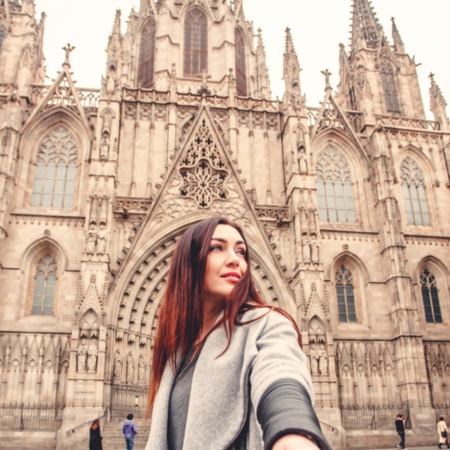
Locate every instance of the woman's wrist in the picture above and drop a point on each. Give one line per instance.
(298, 441)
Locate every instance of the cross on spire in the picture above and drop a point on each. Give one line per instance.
(68, 49)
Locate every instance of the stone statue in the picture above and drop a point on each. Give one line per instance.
(314, 360)
(130, 368)
(323, 360)
(82, 357)
(302, 163)
(306, 249)
(102, 239)
(91, 240)
(141, 370)
(117, 365)
(314, 250)
(104, 147)
(92, 358)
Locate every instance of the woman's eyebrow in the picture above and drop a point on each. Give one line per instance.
(225, 241)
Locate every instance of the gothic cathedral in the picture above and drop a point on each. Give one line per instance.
(344, 205)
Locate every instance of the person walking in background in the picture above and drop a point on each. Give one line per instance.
(129, 431)
(400, 428)
(95, 438)
(442, 431)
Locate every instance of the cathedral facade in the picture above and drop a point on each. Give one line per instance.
(344, 205)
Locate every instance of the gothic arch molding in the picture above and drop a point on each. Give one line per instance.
(34, 133)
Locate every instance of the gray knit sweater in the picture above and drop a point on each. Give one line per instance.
(226, 391)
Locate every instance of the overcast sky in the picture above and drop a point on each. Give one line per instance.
(317, 26)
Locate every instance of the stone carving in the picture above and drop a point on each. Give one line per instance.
(130, 368)
(323, 360)
(82, 356)
(92, 358)
(117, 365)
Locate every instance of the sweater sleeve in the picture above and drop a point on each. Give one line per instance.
(285, 408)
(281, 385)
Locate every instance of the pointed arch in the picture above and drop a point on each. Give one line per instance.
(389, 87)
(349, 281)
(334, 186)
(43, 264)
(146, 67)
(57, 142)
(414, 192)
(195, 43)
(56, 170)
(432, 276)
(240, 62)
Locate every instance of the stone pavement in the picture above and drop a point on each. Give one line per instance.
(431, 447)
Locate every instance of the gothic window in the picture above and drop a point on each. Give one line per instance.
(345, 294)
(241, 70)
(389, 88)
(414, 195)
(352, 96)
(334, 188)
(203, 170)
(147, 53)
(56, 166)
(195, 43)
(430, 297)
(2, 35)
(44, 286)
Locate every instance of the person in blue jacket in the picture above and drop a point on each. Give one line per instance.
(129, 431)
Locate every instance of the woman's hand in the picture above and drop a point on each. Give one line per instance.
(294, 442)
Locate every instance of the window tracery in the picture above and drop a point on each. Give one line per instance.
(430, 297)
(389, 88)
(147, 53)
(240, 61)
(203, 170)
(413, 187)
(44, 286)
(195, 43)
(56, 164)
(334, 188)
(345, 294)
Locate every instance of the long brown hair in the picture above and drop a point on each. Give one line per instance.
(181, 314)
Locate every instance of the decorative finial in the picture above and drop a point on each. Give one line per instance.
(68, 48)
(327, 74)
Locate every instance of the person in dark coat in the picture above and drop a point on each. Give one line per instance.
(95, 438)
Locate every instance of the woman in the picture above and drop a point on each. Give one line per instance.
(95, 438)
(228, 371)
(442, 431)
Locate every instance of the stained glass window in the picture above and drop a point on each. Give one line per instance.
(390, 90)
(56, 167)
(44, 287)
(241, 69)
(334, 187)
(195, 43)
(430, 297)
(413, 186)
(2, 34)
(147, 53)
(345, 295)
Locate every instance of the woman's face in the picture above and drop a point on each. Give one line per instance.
(225, 264)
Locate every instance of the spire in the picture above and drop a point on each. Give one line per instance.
(398, 43)
(263, 72)
(438, 104)
(116, 24)
(291, 73)
(366, 30)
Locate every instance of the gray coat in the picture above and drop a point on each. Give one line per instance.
(227, 390)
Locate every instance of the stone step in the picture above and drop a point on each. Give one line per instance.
(113, 438)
